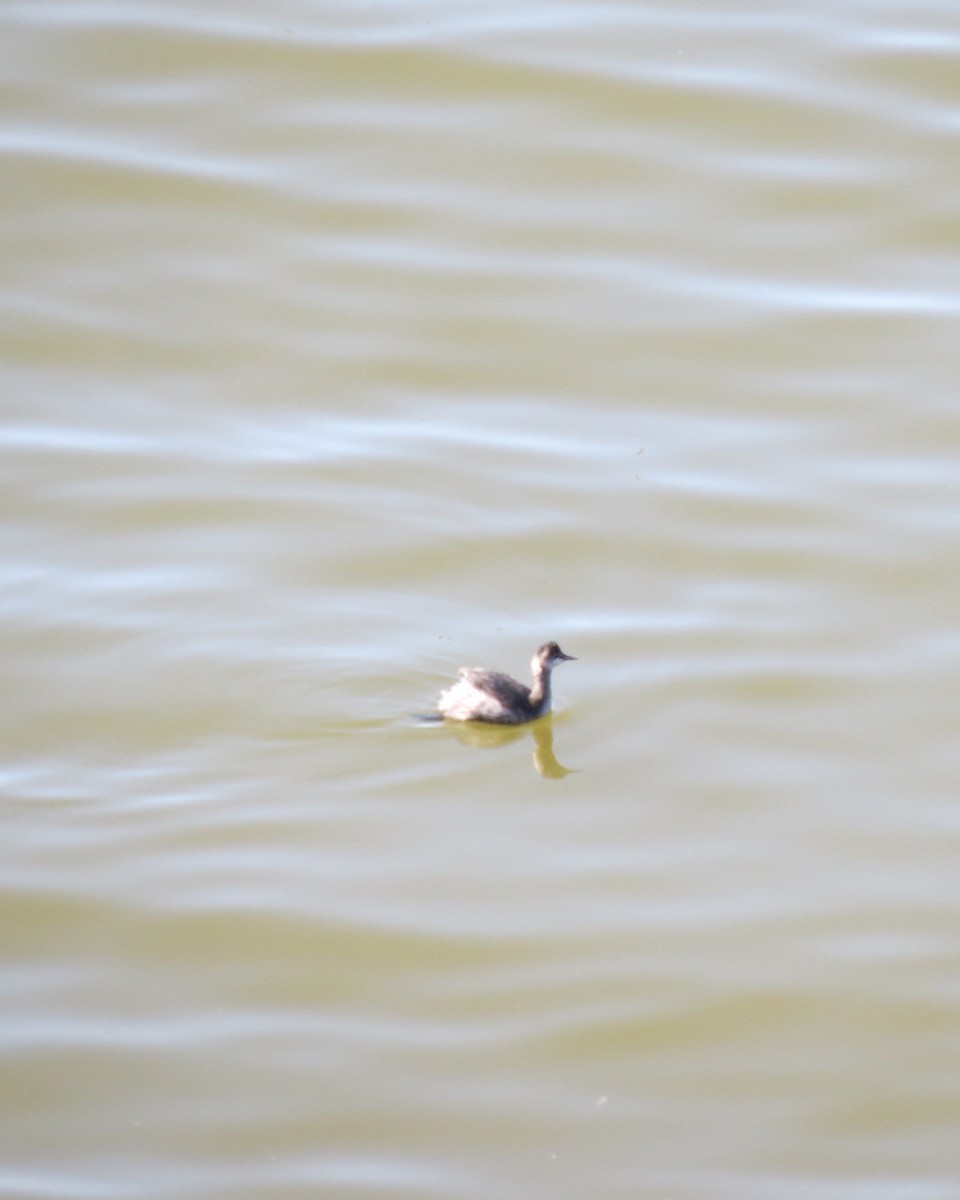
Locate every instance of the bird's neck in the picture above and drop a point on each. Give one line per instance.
(540, 692)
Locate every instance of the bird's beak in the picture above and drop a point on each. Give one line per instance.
(568, 657)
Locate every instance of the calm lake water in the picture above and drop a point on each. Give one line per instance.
(347, 343)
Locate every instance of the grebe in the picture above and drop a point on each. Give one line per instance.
(480, 695)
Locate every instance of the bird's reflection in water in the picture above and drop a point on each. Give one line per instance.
(488, 737)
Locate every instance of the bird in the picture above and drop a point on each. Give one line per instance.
(499, 699)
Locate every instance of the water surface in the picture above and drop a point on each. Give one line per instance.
(343, 345)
